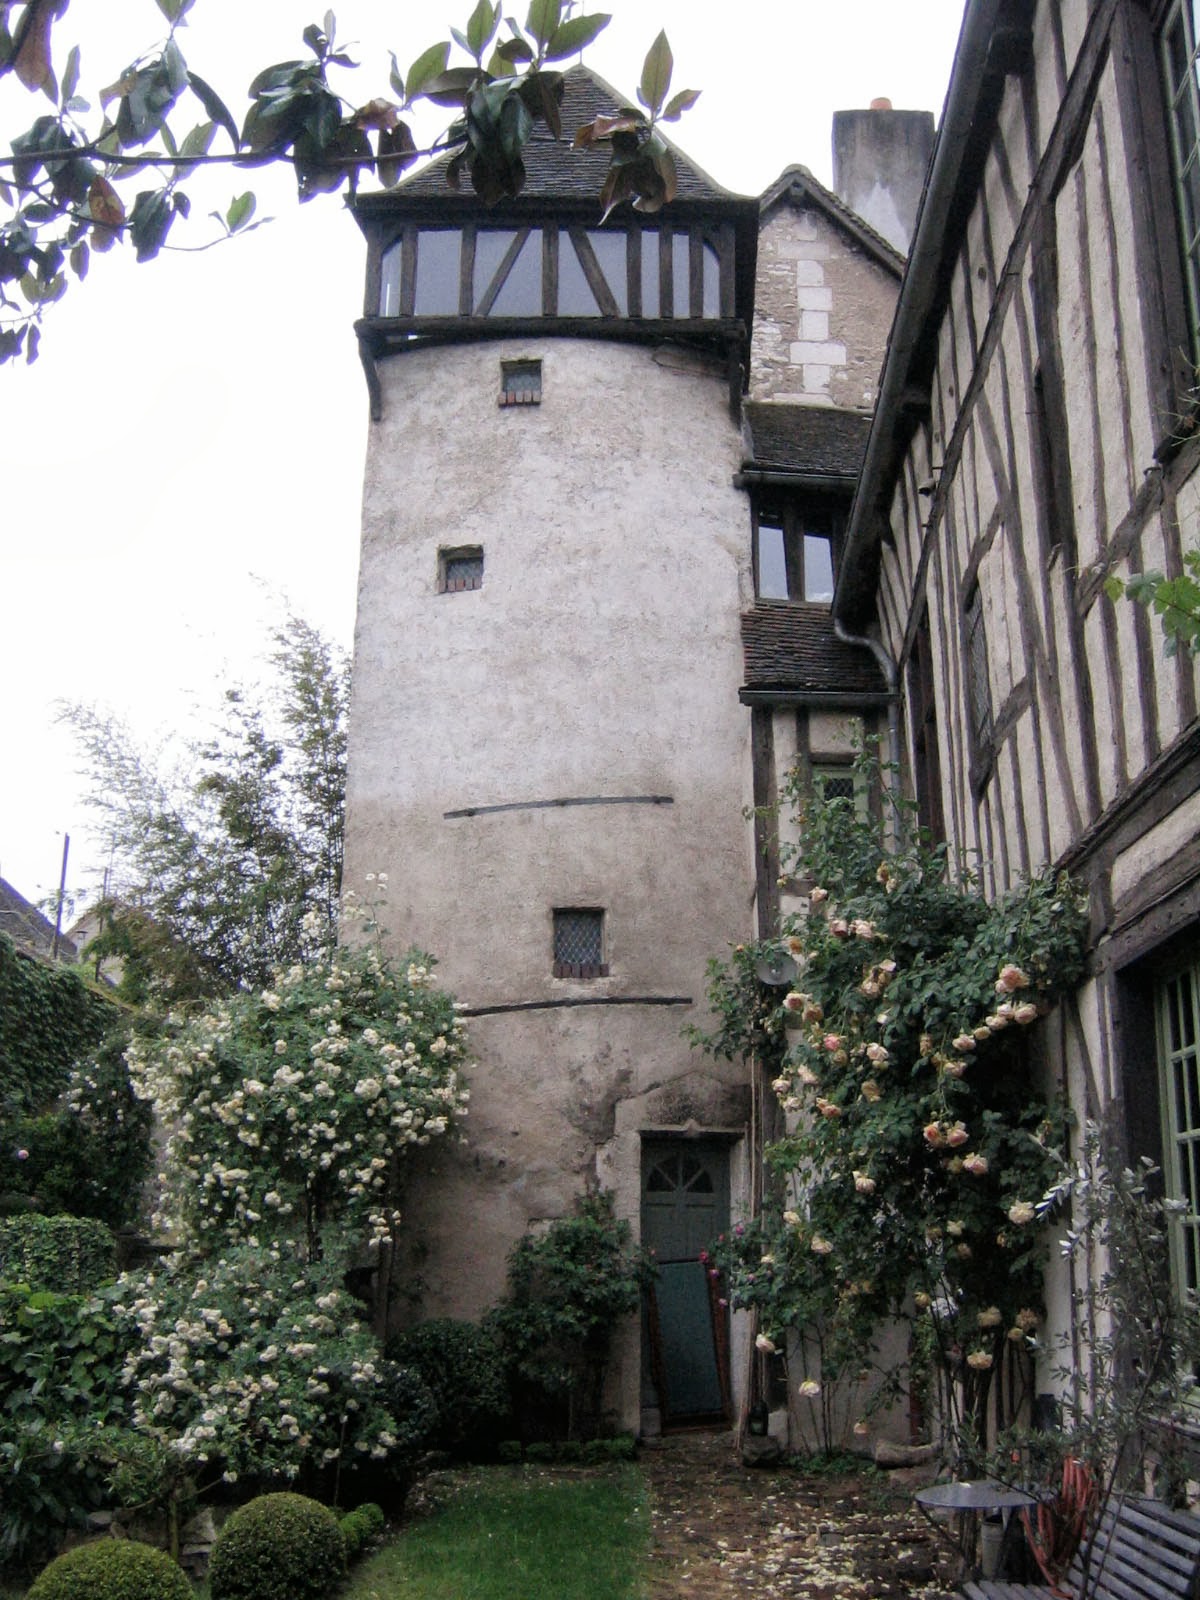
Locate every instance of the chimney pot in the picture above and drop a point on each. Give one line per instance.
(882, 103)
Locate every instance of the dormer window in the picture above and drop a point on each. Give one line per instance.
(793, 553)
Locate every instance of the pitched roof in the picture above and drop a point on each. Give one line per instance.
(793, 648)
(553, 169)
(823, 440)
(797, 186)
(28, 929)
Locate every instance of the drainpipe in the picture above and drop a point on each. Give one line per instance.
(888, 667)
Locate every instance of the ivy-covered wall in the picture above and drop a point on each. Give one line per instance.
(49, 1019)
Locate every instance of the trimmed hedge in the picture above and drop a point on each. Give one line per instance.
(112, 1569)
(68, 1255)
(278, 1547)
(49, 1019)
(359, 1527)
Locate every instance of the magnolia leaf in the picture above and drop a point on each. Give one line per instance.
(31, 345)
(481, 29)
(198, 141)
(679, 103)
(425, 69)
(575, 35)
(316, 41)
(241, 209)
(461, 40)
(397, 151)
(33, 64)
(376, 114)
(542, 93)
(119, 89)
(80, 260)
(104, 204)
(543, 19)
(513, 50)
(499, 67)
(214, 106)
(70, 79)
(452, 87)
(150, 221)
(181, 204)
(656, 75)
(604, 127)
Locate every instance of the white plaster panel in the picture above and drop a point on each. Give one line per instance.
(1105, 712)
(1159, 844)
(832, 735)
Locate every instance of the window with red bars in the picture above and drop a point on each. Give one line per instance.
(579, 943)
(460, 569)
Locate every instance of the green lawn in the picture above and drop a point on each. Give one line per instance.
(517, 1533)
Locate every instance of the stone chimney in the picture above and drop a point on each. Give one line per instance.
(880, 158)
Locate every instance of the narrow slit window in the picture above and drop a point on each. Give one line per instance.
(579, 943)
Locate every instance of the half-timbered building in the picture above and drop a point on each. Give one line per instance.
(1035, 434)
(581, 563)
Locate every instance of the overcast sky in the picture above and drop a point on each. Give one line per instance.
(186, 455)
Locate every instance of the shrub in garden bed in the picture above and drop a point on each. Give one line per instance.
(112, 1569)
(359, 1527)
(463, 1367)
(278, 1547)
(69, 1255)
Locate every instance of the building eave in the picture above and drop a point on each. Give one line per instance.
(993, 41)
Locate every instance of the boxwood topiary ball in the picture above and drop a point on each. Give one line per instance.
(278, 1547)
(112, 1569)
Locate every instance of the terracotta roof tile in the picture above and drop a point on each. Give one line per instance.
(793, 647)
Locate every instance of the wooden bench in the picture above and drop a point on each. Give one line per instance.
(1141, 1550)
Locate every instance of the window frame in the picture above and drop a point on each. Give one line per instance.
(791, 516)
(981, 715)
(580, 971)
(447, 556)
(1181, 1168)
(1183, 161)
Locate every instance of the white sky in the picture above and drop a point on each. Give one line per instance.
(188, 448)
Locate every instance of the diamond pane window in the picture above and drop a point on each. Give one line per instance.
(460, 569)
(1182, 86)
(520, 383)
(579, 943)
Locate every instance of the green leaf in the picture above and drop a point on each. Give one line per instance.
(543, 19)
(1114, 588)
(461, 40)
(452, 87)
(80, 260)
(70, 79)
(575, 35)
(397, 150)
(214, 106)
(679, 103)
(240, 211)
(481, 29)
(428, 66)
(656, 75)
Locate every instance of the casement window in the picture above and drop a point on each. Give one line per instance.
(1177, 53)
(793, 552)
(520, 383)
(922, 711)
(460, 569)
(839, 781)
(1177, 1002)
(579, 942)
(979, 689)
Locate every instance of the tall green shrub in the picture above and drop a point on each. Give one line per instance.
(70, 1255)
(49, 1019)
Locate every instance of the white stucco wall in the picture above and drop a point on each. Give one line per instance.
(600, 658)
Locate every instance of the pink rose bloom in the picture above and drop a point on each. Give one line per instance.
(933, 1135)
(862, 929)
(982, 1033)
(813, 1012)
(816, 896)
(831, 1042)
(828, 1109)
(1021, 1212)
(954, 1069)
(810, 1388)
(819, 1246)
(980, 1360)
(964, 1042)
(976, 1165)
(794, 1001)
(839, 927)
(1026, 1012)
(1010, 979)
(782, 1085)
(764, 1343)
(871, 1091)
(878, 1055)
(870, 988)
(807, 1076)
(957, 1135)
(864, 1183)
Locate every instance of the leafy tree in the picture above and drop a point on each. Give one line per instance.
(71, 172)
(230, 867)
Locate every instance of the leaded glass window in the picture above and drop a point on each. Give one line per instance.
(1177, 44)
(1179, 1064)
(579, 943)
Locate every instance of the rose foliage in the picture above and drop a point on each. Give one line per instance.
(915, 1136)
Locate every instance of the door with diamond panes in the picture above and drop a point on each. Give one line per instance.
(685, 1204)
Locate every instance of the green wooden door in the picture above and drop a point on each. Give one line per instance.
(685, 1204)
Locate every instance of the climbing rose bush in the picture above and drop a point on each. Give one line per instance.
(289, 1110)
(916, 1136)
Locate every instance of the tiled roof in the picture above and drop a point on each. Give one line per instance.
(796, 438)
(28, 929)
(553, 169)
(793, 647)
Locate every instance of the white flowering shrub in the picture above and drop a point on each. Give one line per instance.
(288, 1111)
(258, 1365)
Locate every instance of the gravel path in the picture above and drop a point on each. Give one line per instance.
(722, 1530)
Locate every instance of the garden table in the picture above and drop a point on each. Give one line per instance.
(970, 1499)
